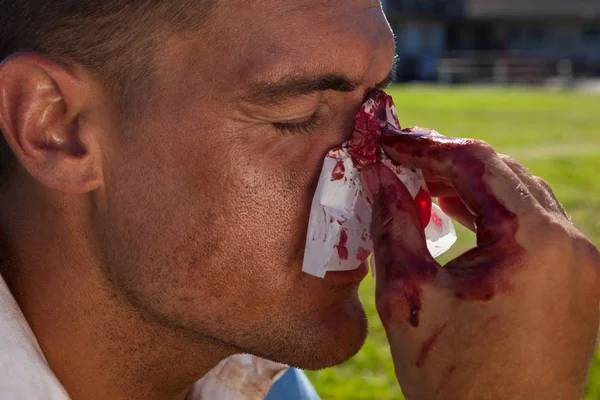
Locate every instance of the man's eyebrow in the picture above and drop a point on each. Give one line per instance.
(296, 86)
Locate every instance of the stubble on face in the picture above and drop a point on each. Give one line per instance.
(208, 200)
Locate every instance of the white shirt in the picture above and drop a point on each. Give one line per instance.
(26, 375)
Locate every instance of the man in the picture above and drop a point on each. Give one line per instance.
(160, 163)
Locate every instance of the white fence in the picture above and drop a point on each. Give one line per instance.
(504, 71)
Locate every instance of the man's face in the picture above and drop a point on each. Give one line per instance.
(208, 197)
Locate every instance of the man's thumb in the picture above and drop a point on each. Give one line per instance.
(400, 247)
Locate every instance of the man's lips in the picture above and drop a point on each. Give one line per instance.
(345, 277)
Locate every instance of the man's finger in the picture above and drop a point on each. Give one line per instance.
(456, 209)
(450, 202)
(537, 186)
(400, 247)
(429, 177)
(488, 187)
(441, 189)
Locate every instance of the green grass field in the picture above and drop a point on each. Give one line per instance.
(555, 135)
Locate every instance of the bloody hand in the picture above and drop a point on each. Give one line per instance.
(514, 318)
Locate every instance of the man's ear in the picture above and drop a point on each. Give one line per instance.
(45, 110)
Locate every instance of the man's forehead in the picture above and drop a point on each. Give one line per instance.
(282, 38)
(246, 46)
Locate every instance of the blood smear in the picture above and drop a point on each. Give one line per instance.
(338, 172)
(341, 246)
(362, 254)
(436, 220)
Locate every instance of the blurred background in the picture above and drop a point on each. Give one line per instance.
(523, 75)
(532, 42)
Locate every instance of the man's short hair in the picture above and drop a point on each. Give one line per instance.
(112, 38)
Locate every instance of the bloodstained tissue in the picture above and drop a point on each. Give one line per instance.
(365, 144)
(364, 147)
(351, 208)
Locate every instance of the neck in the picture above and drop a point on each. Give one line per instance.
(97, 345)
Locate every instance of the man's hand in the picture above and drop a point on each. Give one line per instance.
(514, 318)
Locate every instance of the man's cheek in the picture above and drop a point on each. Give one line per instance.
(275, 178)
(268, 227)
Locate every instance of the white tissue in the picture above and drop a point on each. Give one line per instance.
(338, 237)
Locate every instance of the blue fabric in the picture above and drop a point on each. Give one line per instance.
(293, 385)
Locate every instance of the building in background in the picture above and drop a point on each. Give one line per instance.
(421, 28)
(507, 41)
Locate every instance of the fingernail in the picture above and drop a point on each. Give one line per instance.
(370, 179)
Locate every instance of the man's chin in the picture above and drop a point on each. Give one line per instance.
(338, 333)
(320, 339)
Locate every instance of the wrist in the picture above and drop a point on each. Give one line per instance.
(515, 379)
